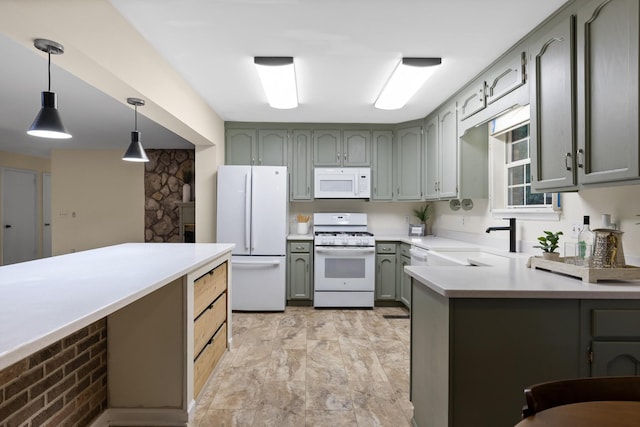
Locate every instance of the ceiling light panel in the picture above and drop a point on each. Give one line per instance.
(278, 77)
(407, 78)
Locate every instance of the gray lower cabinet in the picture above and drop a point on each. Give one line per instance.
(300, 270)
(552, 95)
(405, 279)
(300, 168)
(459, 344)
(408, 163)
(386, 265)
(382, 166)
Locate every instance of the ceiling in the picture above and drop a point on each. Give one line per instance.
(344, 52)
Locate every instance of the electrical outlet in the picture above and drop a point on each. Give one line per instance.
(406, 219)
(575, 230)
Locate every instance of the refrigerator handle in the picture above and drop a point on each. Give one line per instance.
(253, 235)
(247, 207)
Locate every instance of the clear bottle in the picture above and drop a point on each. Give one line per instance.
(586, 239)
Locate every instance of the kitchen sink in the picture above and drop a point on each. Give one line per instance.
(468, 257)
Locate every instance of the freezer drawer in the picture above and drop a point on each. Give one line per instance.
(258, 283)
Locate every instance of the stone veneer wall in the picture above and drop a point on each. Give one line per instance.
(163, 181)
(64, 384)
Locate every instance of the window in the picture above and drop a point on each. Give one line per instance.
(518, 172)
(510, 171)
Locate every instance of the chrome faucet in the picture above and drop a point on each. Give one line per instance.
(512, 233)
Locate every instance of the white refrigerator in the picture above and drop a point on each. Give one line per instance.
(253, 213)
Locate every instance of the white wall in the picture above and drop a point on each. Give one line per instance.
(97, 200)
(622, 202)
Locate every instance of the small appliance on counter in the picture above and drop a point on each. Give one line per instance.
(253, 214)
(344, 261)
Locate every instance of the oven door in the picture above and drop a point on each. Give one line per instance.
(339, 268)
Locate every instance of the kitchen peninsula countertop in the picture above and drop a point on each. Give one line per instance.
(45, 300)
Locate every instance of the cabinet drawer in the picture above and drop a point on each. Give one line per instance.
(299, 246)
(208, 359)
(208, 322)
(386, 248)
(615, 323)
(207, 288)
(405, 250)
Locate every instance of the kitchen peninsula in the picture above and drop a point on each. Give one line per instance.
(107, 335)
(480, 335)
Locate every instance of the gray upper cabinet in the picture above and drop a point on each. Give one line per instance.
(327, 148)
(341, 148)
(448, 128)
(441, 154)
(300, 165)
(382, 166)
(506, 76)
(607, 46)
(356, 148)
(431, 160)
(408, 163)
(256, 147)
(272, 147)
(240, 146)
(473, 100)
(552, 86)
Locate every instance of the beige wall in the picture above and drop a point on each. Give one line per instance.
(207, 160)
(37, 164)
(97, 200)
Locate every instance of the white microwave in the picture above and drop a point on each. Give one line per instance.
(342, 183)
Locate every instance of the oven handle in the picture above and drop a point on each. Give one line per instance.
(343, 251)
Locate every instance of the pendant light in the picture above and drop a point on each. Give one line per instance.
(47, 123)
(135, 152)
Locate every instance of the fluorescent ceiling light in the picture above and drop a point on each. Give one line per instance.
(407, 78)
(278, 77)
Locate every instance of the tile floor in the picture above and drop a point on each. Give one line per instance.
(308, 367)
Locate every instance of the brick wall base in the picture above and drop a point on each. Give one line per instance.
(63, 384)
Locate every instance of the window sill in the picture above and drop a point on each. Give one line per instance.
(527, 214)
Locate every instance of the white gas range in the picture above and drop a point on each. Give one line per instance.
(344, 261)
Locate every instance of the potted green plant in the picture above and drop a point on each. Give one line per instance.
(423, 213)
(549, 244)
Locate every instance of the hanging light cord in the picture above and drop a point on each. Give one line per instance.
(49, 52)
(135, 120)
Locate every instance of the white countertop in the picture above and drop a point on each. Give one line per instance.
(45, 300)
(510, 278)
(300, 237)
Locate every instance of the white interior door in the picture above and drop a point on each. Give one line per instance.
(19, 222)
(46, 215)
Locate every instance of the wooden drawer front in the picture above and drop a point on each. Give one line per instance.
(299, 246)
(405, 250)
(615, 323)
(207, 288)
(208, 359)
(386, 248)
(205, 326)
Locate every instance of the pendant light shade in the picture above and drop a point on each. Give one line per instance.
(47, 123)
(135, 152)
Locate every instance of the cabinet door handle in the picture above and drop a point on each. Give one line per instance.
(253, 161)
(345, 156)
(567, 161)
(338, 157)
(299, 248)
(375, 190)
(259, 161)
(580, 158)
